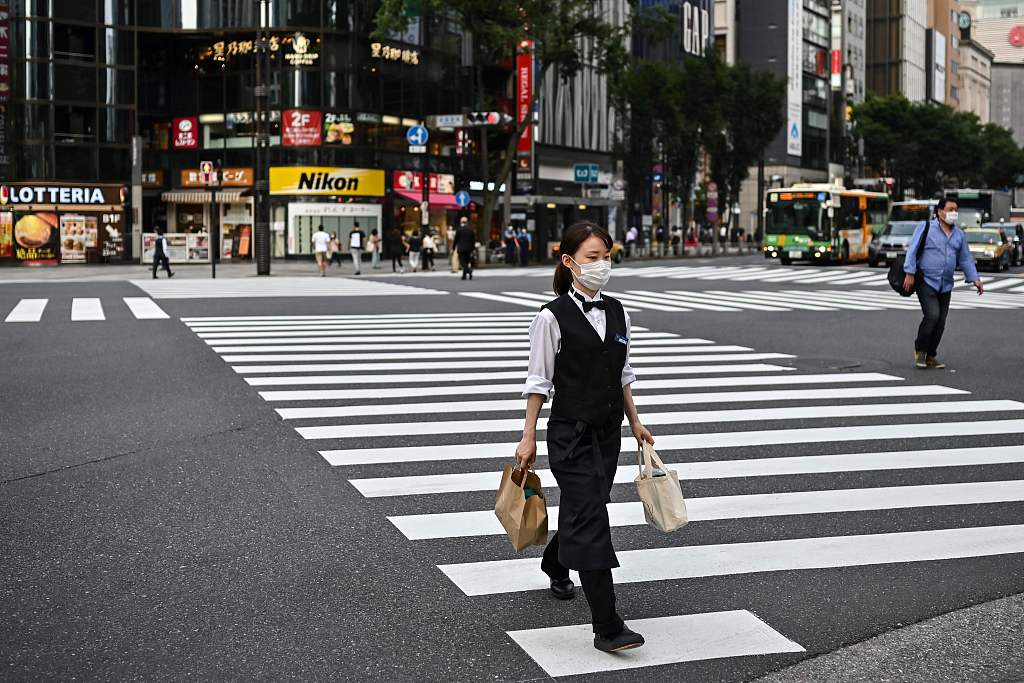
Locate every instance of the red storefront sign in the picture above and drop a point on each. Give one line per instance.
(185, 132)
(524, 94)
(301, 128)
(412, 181)
(837, 62)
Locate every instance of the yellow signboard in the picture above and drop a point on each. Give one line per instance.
(326, 180)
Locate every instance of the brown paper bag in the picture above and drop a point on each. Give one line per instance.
(525, 519)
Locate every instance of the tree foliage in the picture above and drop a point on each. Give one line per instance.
(677, 111)
(927, 147)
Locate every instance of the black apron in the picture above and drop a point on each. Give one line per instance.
(583, 460)
(584, 432)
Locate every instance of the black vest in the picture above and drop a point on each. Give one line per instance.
(588, 369)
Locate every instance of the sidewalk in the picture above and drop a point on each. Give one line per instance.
(282, 267)
(981, 644)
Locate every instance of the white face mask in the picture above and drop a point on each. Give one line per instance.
(951, 217)
(593, 275)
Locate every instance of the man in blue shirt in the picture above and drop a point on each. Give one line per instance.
(944, 250)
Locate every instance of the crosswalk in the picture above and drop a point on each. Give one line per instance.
(786, 300)
(257, 287)
(813, 275)
(84, 309)
(422, 432)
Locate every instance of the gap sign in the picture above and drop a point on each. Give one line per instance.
(585, 173)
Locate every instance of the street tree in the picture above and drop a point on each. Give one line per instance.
(567, 36)
(751, 114)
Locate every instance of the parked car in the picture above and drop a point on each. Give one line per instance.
(891, 242)
(989, 247)
(1014, 233)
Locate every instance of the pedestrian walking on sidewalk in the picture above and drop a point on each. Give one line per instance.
(511, 246)
(161, 254)
(356, 240)
(465, 246)
(374, 249)
(945, 248)
(591, 377)
(524, 247)
(334, 251)
(429, 246)
(321, 243)
(415, 249)
(631, 240)
(395, 250)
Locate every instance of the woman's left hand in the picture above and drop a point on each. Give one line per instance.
(642, 434)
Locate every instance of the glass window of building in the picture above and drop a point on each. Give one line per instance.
(120, 12)
(74, 82)
(80, 10)
(74, 124)
(31, 38)
(74, 42)
(75, 162)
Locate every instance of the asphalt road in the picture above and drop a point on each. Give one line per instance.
(164, 521)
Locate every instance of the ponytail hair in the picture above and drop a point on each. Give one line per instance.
(574, 236)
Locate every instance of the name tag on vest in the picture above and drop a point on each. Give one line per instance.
(622, 340)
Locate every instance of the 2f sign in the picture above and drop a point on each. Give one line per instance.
(300, 119)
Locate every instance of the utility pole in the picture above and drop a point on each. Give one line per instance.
(261, 207)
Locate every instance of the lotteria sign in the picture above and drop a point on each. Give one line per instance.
(82, 195)
(325, 180)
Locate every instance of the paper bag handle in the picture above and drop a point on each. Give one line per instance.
(525, 470)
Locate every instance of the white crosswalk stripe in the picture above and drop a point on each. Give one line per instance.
(83, 309)
(447, 389)
(686, 301)
(302, 287)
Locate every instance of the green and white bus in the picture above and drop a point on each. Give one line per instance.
(822, 223)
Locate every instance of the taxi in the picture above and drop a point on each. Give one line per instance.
(990, 248)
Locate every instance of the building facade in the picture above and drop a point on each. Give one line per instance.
(1004, 37)
(895, 51)
(976, 79)
(139, 96)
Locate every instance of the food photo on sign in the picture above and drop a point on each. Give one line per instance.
(36, 238)
(338, 129)
(77, 234)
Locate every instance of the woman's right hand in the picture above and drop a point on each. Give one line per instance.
(526, 451)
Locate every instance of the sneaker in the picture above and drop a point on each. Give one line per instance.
(920, 361)
(933, 362)
(623, 640)
(170, 274)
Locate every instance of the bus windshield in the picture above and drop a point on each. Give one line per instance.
(795, 216)
(910, 212)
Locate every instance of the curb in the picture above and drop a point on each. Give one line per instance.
(981, 644)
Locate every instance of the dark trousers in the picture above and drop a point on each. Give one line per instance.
(935, 306)
(428, 259)
(161, 259)
(466, 261)
(396, 259)
(597, 587)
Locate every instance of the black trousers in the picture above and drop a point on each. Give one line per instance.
(466, 261)
(598, 587)
(159, 259)
(935, 307)
(584, 462)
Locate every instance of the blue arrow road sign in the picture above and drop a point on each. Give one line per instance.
(462, 198)
(416, 135)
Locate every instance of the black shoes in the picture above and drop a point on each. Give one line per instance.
(563, 589)
(170, 274)
(623, 640)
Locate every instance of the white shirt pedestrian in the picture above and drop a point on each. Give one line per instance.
(321, 242)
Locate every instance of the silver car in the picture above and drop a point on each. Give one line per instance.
(891, 242)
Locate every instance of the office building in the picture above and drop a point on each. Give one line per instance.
(896, 55)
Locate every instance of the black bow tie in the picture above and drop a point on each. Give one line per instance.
(587, 305)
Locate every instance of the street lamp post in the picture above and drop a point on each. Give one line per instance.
(261, 209)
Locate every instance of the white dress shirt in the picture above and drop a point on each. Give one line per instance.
(546, 340)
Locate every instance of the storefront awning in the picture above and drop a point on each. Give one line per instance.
(187, 197)
(437, 200)
(230, 196)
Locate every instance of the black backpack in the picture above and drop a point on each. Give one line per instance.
(896, 274)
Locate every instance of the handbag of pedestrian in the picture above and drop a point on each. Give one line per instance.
(521, 508)
(658, 488)
(897, 276)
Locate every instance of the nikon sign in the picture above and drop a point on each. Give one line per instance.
(324, 180)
